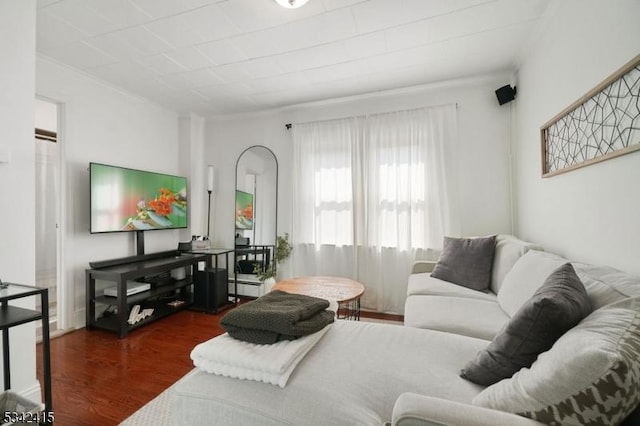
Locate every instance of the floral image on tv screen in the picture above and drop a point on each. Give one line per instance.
(134, 200)
(244, 210)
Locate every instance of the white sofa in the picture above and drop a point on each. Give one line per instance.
(440, 305)
(372, 374)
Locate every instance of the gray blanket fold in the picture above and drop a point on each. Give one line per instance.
(277, 316)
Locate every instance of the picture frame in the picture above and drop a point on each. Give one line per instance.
(602, 124)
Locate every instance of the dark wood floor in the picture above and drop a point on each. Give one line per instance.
(98, 379)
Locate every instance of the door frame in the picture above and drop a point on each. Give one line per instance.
(64, 314)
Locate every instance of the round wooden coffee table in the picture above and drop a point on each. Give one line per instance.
(343, 292)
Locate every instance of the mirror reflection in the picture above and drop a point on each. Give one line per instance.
(256, 208)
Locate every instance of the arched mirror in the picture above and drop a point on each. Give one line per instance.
(256, 207)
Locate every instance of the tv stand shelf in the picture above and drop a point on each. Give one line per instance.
(132, 268)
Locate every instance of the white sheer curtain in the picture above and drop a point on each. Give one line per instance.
(323, 205)
(370, 192)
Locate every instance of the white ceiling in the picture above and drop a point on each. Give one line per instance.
(232, 56)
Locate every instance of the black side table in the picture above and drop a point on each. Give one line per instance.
(209, 303)
(11, 316)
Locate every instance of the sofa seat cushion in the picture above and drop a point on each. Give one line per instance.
(482, 319)
(589, 376)
(425, 284)
(353, 375)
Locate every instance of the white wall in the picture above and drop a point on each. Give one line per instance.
(226, 140)
(191, 130)
(17, 176)
(483, 148)
(103, 124)
(590, 214)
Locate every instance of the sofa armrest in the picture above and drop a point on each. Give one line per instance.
(412, 409)
(423, 266)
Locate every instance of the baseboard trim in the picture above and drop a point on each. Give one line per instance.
(79, 318)
(33, 393)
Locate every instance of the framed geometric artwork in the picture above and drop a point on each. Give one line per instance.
(603, 124)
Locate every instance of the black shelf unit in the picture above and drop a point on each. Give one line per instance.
(261, 254)
(12, 316)
(247, 258)
(121, 271)
(214, 264)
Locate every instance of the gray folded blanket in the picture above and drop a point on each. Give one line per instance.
(277, 316)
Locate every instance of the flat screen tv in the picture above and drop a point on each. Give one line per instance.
(244, 210)
(135, 200)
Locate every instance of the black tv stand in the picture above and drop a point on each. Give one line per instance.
(139, 243)
(132, 259)
(123, 270)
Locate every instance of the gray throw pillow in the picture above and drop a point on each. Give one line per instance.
(556, 307)
(466, 262)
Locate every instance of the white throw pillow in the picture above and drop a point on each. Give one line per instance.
(589, 376)
(527, 275)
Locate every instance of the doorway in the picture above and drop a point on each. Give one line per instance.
(47, 183)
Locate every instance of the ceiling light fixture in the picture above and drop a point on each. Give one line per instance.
(291, 4)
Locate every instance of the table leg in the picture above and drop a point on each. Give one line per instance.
(46, 352)
(5, 355)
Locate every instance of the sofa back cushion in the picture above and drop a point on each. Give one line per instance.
(507, 252)
(525, 277)
(606, 285)
(589, 376)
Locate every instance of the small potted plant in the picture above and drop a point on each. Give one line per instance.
(268, 274)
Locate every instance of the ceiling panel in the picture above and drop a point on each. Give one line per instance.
(313, 31)
(278, 83)
(117, 45)
(211, 23)
(232, 56)
(222, 52)
(122, 13)
(144, 40)
(128, 72)
(314, 57)
(192, 79)
(364, 46)
(232, 73)
(263, 67)
(78, 15)
(81, 55)
(161, 64)
(164, 8)
(190, 58)
(175, 31)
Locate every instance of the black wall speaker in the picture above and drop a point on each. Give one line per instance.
(506, 94)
